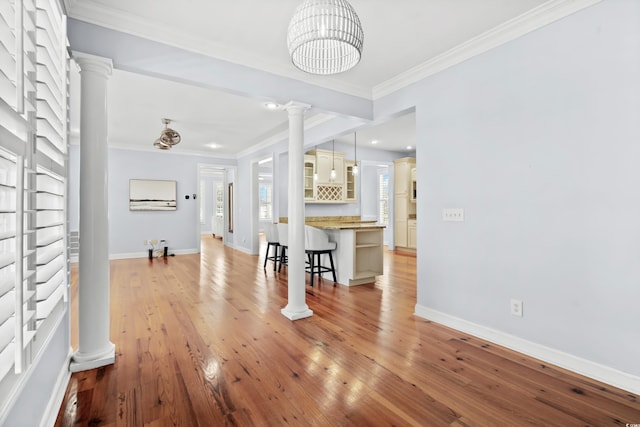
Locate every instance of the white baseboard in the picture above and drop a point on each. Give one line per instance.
(243, 249)
(564, 360)
(59, 391)
(145, 254)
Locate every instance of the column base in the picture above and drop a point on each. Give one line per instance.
(85, 362)
(296, 315)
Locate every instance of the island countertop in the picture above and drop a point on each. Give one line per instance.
(359, 255)
(338, 222)
(347, 225)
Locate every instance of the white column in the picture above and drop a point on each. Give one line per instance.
(94, 347)
(296, 307)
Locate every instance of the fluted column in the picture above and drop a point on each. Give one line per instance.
(94, 347)
(296, 307)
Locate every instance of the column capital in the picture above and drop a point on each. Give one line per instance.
(88, 62)
(295, 107)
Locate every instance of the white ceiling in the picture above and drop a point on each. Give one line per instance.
(399, 36)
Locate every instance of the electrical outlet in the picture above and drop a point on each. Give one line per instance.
(453, 214)
(516, 307)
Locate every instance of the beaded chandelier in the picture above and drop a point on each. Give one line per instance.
(325, 37)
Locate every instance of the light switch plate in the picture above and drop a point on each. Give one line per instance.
(453, 214)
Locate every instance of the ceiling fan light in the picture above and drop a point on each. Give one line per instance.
(325, 37)
(168, 137)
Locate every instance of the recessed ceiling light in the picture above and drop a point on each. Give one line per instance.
(409, 147)
(272, 105)
(374, 141)
(213, 145)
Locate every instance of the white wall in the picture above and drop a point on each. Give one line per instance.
(538, 140)
(128, 229)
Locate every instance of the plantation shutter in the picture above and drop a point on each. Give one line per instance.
(52, 98)
(33, 140)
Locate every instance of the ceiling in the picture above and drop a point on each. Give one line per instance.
(399, 36)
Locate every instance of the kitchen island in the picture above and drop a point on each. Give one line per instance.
(358, 257)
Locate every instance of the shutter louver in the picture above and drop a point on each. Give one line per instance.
(33, 138)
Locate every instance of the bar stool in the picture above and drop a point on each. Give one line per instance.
(271, 235)
(316, 243)
(283, 241)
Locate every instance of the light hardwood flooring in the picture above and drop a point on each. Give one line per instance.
(200, 341)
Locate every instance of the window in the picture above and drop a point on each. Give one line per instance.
(383, 198)
(265, 202)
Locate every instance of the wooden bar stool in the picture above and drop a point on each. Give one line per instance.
(316, 243)
(271, 235)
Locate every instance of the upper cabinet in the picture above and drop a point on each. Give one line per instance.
(327, 189)
(349, 181)
(309, 171)
(402, 169)
(326, 161)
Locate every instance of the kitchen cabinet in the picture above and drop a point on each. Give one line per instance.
(350, 181)
(324, 189)
(309, 170)
(327, 160)
(359, 255)
(404, 204)
(411, 234)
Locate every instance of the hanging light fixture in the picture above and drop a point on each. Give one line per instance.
(168, 137)
(325, 37)
(333, 159)
(354, 170)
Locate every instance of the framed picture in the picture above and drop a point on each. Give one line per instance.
(152, 195)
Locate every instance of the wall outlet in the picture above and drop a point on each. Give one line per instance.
(453, 214)
(516, 307)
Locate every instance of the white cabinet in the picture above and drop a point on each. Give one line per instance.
(359, 256)
(405, 203)
(411, 234)
(350, 181)
(401, 175)
(309, 171)
(328, 189)
(327, 160)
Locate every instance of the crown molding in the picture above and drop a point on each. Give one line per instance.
(535, 18)
(118, 20)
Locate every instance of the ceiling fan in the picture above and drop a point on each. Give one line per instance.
(168, 137)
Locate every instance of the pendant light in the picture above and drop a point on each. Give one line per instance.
(333, 159)
(354, 170)
(325, 37)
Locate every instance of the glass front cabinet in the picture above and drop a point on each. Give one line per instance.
(309, 171)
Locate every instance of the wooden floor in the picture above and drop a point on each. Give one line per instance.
(202, 342)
